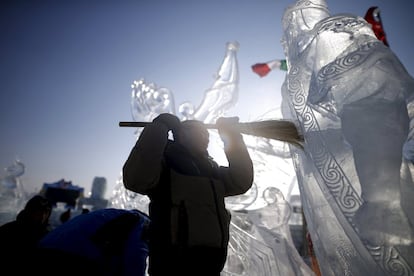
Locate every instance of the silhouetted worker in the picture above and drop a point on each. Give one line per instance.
(19, 238)
(189, 229)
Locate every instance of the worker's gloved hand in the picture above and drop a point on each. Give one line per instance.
(227, 125)
(169, 120)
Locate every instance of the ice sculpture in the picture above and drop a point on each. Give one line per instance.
(148, 100)
(12, 179)
(223, 94)
(353, 100)
(12, 194)
(260, 242)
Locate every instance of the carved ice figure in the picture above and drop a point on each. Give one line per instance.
(148, 100)
(353, 100)
(12, 194)
(13, 172)
(261, 243)
(10, 183)
(223, 94)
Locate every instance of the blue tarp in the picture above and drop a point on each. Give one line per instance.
(103, 236)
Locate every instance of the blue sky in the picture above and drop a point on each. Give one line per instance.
(67, 66)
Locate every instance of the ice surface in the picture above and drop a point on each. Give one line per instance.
(352, 98)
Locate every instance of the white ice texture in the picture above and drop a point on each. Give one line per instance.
(12, 193)
(353, 100)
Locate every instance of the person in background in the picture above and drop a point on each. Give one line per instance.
(19, 238)
(65, 216)
(189, 228)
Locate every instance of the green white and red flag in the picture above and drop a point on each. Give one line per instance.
(262, 69)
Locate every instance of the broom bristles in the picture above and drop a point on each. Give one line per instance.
(281, 130)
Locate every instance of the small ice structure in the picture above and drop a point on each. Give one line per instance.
(12, 194)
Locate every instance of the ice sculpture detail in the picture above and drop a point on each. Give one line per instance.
(259, 245)
(223, 94)
(12, 193)
(10, 183)
(353, 99)
(260, 241)
(148, 100)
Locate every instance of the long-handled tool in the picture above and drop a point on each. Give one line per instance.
(281, 130)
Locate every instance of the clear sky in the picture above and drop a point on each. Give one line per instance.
(66, 68)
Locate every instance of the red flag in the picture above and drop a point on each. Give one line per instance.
(262, 69)
(373, 17)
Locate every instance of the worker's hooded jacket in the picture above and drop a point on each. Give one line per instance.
(187, 192)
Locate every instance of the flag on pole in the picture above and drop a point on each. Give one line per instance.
(373, 17)
(262, 69)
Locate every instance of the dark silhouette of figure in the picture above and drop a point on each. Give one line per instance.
(189, 229)
(85, 211)
(19, 238)
(65, 216)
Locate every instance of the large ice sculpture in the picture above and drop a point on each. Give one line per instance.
(261, 242)
(353, 100)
